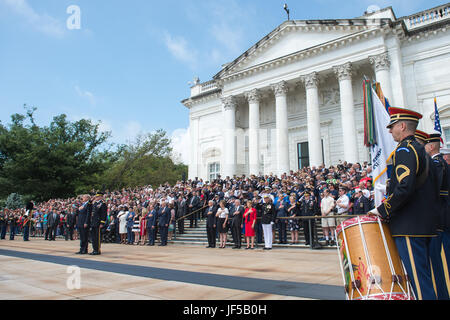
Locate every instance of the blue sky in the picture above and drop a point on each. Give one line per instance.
(130, 62)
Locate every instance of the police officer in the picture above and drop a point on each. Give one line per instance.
(409, 208)
(98, 219)
(439, 252)
(267, 221)
(83, 223)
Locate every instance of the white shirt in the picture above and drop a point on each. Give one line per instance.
(223, 213)
(326, 204)
(344, 201)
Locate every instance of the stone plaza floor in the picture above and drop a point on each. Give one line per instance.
(43, 270)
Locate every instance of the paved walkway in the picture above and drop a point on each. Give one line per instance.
(38, 269)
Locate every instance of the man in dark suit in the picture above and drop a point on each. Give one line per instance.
(98, 219)
(236, 215)
(362, 204)
(83, 223)
(194, 205)
(181, 212)
(70, 223)
(163, 222)
(52, 224)
(151, 219)
(211, 224)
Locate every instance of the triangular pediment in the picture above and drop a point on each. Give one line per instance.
(296, 36)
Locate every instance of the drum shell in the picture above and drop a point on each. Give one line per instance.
(376, 260)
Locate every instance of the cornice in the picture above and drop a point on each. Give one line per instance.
(366, 32)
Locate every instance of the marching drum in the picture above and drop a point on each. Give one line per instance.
(370, 264)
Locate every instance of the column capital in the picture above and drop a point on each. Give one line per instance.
(253, 96)
(344, 71)
(280, 88)
(380, 61)
(311, 80)
(229, 102)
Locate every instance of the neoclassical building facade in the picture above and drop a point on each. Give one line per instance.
(295, 98)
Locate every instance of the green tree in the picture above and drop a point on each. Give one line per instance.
(14, 201)
(54, 161)
(146, 161)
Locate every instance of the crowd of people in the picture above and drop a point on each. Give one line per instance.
(253, 207)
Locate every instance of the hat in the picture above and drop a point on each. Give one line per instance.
(399, 114)
(434, 137)
(445, 151)
(422, 136)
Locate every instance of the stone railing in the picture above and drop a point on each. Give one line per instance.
(427, 17)
(203, 87)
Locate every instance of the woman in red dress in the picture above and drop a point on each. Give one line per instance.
(250, 220)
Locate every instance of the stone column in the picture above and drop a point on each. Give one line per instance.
(382, 64)
(344, 75)
(313, 119)
(193, 152)
(280, 89)
(253, 98)
(229, 137)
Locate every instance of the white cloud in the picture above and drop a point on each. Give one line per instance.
(87, 95)
(40, 22)
(180, 145)
(179, 48)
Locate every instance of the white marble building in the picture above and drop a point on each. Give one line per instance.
(295, 98)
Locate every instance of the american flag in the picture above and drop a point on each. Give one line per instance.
(437, 121)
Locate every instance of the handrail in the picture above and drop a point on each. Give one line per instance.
(184, 217)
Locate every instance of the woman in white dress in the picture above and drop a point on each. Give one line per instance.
(122, 217)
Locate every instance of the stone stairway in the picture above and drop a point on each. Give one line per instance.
(197, 236)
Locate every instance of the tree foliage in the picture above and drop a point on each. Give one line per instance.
(146, 161)
(52, 161)
(67, 158)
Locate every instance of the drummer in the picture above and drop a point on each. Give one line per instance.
(408, 208)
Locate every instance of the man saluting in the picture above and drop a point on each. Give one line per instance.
(98, 219)
(409, 207)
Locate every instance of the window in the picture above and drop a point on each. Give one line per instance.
(447, 136)
(303, 154)
(214, 170)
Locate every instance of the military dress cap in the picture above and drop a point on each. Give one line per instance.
(422, 136)
(434, 137)
(445, 151)
(399, 114)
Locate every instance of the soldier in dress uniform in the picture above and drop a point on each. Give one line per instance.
(409, 209)
(98, 219)
(27, 221)
(307, 209)
(3, 224)
(439, 252)
(267, 221)
(421, 137)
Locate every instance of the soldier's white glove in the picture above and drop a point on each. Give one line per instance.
(374, 212)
